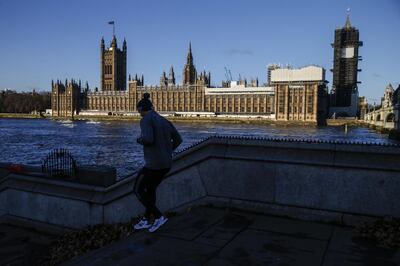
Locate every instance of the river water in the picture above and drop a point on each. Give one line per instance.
(113, 143)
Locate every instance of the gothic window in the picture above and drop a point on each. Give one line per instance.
(310, 104)
(281, 103)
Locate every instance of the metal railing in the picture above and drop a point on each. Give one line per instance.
(60, 164)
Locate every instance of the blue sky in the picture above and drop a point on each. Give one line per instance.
(44, 40)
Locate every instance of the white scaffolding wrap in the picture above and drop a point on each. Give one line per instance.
(309, 73)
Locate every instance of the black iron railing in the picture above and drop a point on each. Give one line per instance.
(60, 164)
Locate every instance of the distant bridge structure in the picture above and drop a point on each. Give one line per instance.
(385, 117)
(388, 115)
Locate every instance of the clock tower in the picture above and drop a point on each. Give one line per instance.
(345, 64)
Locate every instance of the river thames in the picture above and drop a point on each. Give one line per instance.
(113, 143)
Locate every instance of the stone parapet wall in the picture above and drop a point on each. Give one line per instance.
(330, 179)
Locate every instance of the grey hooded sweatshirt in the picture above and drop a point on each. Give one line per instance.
(159, 138)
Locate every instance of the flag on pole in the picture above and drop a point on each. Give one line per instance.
(111, 22)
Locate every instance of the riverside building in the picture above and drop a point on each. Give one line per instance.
(300, 94)
(291, 95)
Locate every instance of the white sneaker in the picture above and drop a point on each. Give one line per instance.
(142, 224)
(158, 223)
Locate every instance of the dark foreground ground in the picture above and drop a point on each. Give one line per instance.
(214, 236)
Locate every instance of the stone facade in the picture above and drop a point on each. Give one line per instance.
(67, 98)
(113, 66)
(300, 94)
(200, 98)
(109, 101)
(301, 102)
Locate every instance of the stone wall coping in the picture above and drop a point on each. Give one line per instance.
(391, 150)
(214, 147)
(270, 140)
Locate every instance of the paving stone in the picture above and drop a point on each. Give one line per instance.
(293, 227)
(221, 233)
(211, 236)
(191, 224)
(345, 248)
(22, 246)
(253, 247)
(148, 249)
(221, 262)
(333, 258)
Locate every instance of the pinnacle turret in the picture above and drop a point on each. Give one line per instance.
(171, 76)
(114, 42)
(348, 24)
(189, 60)
(124, 45)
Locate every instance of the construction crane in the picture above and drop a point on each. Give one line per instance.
(228, 75)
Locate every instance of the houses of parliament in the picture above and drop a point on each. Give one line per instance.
(288, 95)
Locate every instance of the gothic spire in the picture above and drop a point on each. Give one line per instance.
(163, 80)
(124, 45)
(171, 76)
(348, 24)
(190, 56)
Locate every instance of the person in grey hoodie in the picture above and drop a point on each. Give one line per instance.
(159, 138)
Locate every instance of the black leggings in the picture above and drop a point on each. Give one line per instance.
(145, 187)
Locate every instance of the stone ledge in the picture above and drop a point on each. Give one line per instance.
(294, 212)
(96, 175)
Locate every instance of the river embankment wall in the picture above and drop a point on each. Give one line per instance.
(314, 180)
(190, 119)
(215, 119)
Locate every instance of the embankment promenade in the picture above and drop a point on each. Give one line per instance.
(17, 115)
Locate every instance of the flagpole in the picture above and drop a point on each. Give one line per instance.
(113, 24)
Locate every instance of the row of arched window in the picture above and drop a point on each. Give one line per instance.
(108, 69)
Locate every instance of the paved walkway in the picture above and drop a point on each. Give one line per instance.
(22, 246)
(212, 236)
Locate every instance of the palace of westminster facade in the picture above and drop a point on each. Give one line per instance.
(289, 95)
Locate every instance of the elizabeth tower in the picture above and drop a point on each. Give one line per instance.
(345, 64)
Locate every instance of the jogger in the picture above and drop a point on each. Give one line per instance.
(159, 138)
